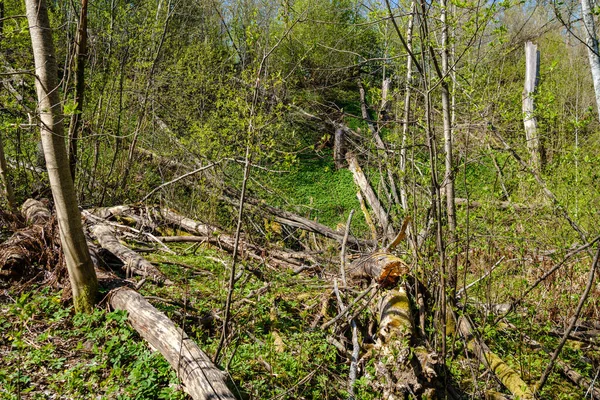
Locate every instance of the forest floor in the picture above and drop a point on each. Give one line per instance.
(278, 351)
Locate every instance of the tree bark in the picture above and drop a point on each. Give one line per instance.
(448, 148)
(508, 376)
(133, 261)
(361, 181)
(80, 54)
(79, 264)
(339, 148)
(532, 72)
(5, 178)
(592, 43)
(200, 377)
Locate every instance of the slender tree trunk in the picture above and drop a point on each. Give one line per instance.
(592, 43)
(448, 148)
(532, 71)
(406, 117)
(8, 189)
(80, 54)
(79, 264)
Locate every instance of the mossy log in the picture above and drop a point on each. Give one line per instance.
(133, 261)
(508, 376)
(383, 267)
(200, 377)
(404, 366)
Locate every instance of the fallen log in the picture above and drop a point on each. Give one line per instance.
(383, 267)
(34, 247)
(507, 376)
(132, 261)
(406, 369)
(295, 221)
(502, 205)
(363, 183)
(35, 211)
(200, 377)
(211, 235)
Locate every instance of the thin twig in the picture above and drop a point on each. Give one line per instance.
(470, 285)
(156, 189)
(354, 362)
(343, 313)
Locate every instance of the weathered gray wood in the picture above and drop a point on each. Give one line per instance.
(133, 261)
(362, 182)
(200, 377)
(532, 73)
(290, 219)
(383, 267)
(35, 212)
(339, 148)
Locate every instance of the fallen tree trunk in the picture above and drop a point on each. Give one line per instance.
(211, 235)
(200, 377)
(133, 261)
(502, 205)
(36, 245)
(363, 183)
(384, 268)
(35, 212)
(508, 376)
(290, 219)
(406, 369)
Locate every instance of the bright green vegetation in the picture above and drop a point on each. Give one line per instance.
(46, 349)
(324, 193)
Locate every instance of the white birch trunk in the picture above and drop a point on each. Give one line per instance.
(592, 42)
(448, 148)
(532, 68)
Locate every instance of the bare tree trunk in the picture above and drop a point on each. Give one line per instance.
(5, 179)
(381, 147)
(79, 264)
(339, 148)
(449, 175)
(532, 71)
(406, 116)
(80, 54)
(592, 44)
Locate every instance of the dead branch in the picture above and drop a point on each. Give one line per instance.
(133, 261)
